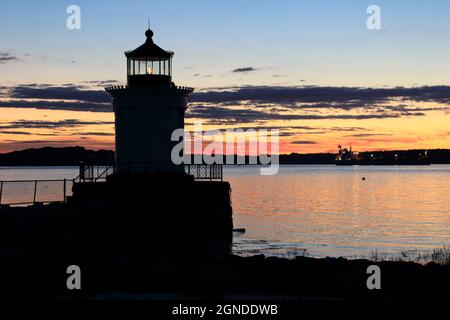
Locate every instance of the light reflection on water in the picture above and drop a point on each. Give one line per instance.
(325, 210)
(331, 211)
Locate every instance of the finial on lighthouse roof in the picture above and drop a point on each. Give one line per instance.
(149, 34)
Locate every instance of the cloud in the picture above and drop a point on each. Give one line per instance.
(250, 104)
(101, 83)
(224, 115)
(303, 142)
(57, 105)
(46, 142)
(67, 97)
(94, 133)
(15, 132)
(344, 129)
(288, 130)
(388, 140)
(75, 93)
(38, 124)
(313, 94)
(319, 97)
(264, 103)
(7, 57)
(244, 69)
(365, 135)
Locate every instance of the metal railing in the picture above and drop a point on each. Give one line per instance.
(31, 192)
(94, 173)
(205, 171)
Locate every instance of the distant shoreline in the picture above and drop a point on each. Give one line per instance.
(234, 165)
(73, 156)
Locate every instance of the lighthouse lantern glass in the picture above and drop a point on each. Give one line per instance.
(149, 66)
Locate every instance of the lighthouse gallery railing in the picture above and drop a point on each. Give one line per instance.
(95, 173)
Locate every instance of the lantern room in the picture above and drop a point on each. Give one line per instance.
(149, 64)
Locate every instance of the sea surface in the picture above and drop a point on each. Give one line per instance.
(316, 210)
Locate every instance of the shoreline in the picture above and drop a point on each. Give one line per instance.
(72, 156)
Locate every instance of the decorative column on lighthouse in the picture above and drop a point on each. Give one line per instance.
(147, 111)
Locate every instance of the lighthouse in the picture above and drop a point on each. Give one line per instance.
(147, 111)
(146, 200)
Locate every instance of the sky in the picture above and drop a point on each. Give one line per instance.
(310, 68)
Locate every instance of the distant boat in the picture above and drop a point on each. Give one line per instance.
(347, 157)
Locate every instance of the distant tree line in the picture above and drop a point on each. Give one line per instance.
(73, 156)
(49, 156)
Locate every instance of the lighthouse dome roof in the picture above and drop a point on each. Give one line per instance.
(149, 50)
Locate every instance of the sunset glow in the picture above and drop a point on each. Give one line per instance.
(320, 90)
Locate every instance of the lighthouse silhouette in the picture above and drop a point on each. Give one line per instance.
(146, 202)
(147, 111)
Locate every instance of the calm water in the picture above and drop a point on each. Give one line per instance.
(325, 210)
(329, 210)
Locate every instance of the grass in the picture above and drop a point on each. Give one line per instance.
(292, 253)
(439, 255)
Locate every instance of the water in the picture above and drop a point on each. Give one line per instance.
(23, 191)
(331, 211)
(323, 210)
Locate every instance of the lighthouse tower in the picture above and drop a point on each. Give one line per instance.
(147, 201)
(147, 111)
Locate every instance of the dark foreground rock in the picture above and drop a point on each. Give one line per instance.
(174, 243)
(128, 276)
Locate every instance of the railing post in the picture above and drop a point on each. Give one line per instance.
(1, 191)
(35, 190)
(64, 199)
(82, 173)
